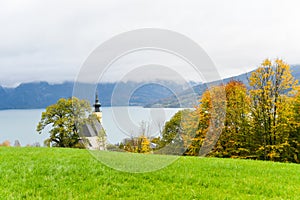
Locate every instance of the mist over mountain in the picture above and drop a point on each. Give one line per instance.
(167, 94)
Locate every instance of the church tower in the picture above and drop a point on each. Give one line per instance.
(97, 110)
(93, 133)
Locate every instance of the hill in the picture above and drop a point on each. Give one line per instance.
(54, 173)
(187, 95)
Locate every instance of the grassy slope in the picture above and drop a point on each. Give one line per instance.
(53, 173)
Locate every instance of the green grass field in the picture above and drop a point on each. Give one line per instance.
(55, 173)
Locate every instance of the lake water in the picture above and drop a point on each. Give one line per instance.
(119, 123)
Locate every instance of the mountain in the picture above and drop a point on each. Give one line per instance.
(34, 95)
(186, 97)
(296, 71)
(3, 101)
(42, 94)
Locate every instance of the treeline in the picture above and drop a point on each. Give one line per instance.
(17, 143)
(233, 121)
(139, 144)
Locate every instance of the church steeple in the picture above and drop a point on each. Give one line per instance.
(97, 104)
(97, 110)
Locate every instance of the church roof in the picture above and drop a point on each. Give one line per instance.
(91, 129)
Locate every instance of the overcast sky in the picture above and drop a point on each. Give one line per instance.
(49, 40)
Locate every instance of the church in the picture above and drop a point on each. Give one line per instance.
(92, 133)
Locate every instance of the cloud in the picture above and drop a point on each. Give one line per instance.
(49, 40)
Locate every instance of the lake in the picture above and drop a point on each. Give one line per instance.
(119, 123)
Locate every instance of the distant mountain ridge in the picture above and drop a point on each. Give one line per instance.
(186, 95)
(42, 94)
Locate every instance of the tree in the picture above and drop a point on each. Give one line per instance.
(144, 144)
(235, 140)
(197, 125)
(66, 118)
(140, 144)
(6, 143)
(171, 129)
(172, 137)
(271, 113)
(207, 121)
(195, 132)
(294, 136)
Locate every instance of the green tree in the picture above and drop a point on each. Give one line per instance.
(271, 113)
(130, 145)
(173, 135)
(171, 129)
(66, 118)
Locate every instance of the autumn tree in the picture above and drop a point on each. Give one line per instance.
(216, 113)
(6, 143)
(143, 144)
(195, 132)
(129, 145)
(140, 144)
(204, 125)
(294, 136)
(237, 123)
(271, 113)
(228, 106)
(235, 140)
(197, 125)
(65, 118)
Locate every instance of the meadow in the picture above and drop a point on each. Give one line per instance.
(57, 173)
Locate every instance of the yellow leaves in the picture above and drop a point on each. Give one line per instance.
(280, 62)
(252, 79)
(145, 144)
(273, 78)
(266, 62)
(277, 61)
(273, 155)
